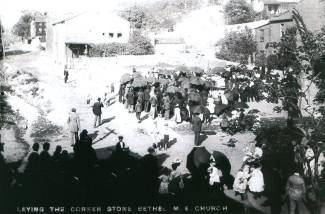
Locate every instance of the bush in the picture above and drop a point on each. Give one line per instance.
(138, 45)
(238, 11)
(237, 46)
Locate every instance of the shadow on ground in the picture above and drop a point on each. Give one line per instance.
(15, 52)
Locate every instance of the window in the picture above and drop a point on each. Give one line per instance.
(261, 35)
(119, 35)
(111, 35)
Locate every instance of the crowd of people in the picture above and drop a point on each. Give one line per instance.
(82, 178)
(276, 169)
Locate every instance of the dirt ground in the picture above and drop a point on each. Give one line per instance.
(45, 101)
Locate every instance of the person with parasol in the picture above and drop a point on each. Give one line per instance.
(197, 124)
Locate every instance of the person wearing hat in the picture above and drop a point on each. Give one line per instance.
(197, 124)
(130, 100)
(74, 126)
(120, 146)
(97, 110)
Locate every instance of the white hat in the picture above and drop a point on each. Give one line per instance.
(177, 161)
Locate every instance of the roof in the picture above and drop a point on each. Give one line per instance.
(170, 41)
(277, 20)
(98, 15)
(281, 17)
(249, 25)
(281, 1)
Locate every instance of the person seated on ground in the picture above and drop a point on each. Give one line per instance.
(164, 182)
(57, 153)
(175, 172)
(120, 146)
(32, 155)
(46, 163)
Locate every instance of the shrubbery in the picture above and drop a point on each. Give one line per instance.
(237, 46)
(138, 45)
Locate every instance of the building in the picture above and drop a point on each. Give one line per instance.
(72, 36)
(270, 33)
(169, 45)
(279, 6)
(38, 27)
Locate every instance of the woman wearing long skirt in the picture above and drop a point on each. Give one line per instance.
(177, 112)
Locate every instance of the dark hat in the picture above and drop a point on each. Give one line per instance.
(120, 137)
(151, 150)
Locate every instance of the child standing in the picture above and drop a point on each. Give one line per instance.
(164, 182)
(241, 182)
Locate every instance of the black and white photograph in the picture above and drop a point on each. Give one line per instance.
(162, 106)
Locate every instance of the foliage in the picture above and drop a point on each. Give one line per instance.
(162, 14)
(237, 46)
(22, 27)
(138, 45)
(44, 130)
(7, 115)
(248, 122)
(135, 15)
(238, 11)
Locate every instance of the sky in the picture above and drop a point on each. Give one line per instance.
(10, 10)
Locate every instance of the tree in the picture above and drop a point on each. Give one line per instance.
(7, 115)
(135, 15)
(22, 27)
(140, 45)
(237, 46)
(238, 11)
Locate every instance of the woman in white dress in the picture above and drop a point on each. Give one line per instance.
(256, 182)
(177, 112)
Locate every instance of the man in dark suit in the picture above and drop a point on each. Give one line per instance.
(97, 110)
(197, 123)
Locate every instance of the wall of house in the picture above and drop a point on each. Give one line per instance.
(90, 28)
(271, 33)
(98, 28)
